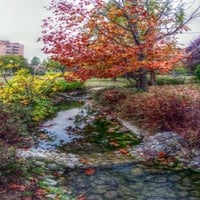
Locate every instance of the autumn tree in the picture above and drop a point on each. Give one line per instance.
(106, 39)
(193, 52)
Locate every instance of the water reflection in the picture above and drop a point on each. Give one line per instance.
(60, 129)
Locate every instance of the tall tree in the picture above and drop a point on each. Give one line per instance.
(193, 52)
(35, 61)
(106, 39)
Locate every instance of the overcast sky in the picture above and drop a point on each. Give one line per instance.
(20, 21)
(194, 25)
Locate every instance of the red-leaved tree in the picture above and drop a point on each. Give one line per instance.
(104, 39)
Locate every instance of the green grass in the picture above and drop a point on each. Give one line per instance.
(185, 77)
(122, 82)
(95, 82)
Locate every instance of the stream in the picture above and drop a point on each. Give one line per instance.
(122, 181)
(60, 129)
(135, 181)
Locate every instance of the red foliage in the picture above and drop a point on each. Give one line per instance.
(88, 37)
(17, 187)
(113, 97)
(123, 151)
(161, 154)
(81, 197)
(11, 126)
(90, 171)
(164, 109)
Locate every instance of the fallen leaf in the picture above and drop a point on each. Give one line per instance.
(83, 160)
(115, 144)
(40, 192)
(17, 187)
(90, 171)
(81, 197)
(123, 151)
(161, 154)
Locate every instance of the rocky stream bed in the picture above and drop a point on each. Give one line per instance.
(159, 167)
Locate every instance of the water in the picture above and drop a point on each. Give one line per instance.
(134, 182)
(60, 129)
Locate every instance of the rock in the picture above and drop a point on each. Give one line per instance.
(167, 143)
(50, 182)
(94, 197)
(100, 189)
(39, 163)
(70, 165)
(111, 194)
(50, 196)
(195, 163)
(52, 166)
(139, 132)
(196, 152)
(137, 171)
(171, 164)
(61, 180)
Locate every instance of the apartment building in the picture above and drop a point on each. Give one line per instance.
(14, 48)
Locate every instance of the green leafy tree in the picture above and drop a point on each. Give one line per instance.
(35, 61)
(10, 63)
(53, 65)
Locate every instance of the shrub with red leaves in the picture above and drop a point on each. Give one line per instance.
(112, 97)
(159, 111)
(11, 125)
(162, 109)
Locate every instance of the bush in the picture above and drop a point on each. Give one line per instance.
(181, 71)
(111, 97)
(12, 128)
(197, 72)
(11, 167)
(169, 81)
(162, 109)
(64, 86)
(42, 108)
(13, 131)
(35, 92)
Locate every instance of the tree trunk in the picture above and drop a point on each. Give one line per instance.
(152, 78)
(143, 82)
(114, 79)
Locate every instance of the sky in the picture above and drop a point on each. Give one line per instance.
(20, 21)
(194, 32)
